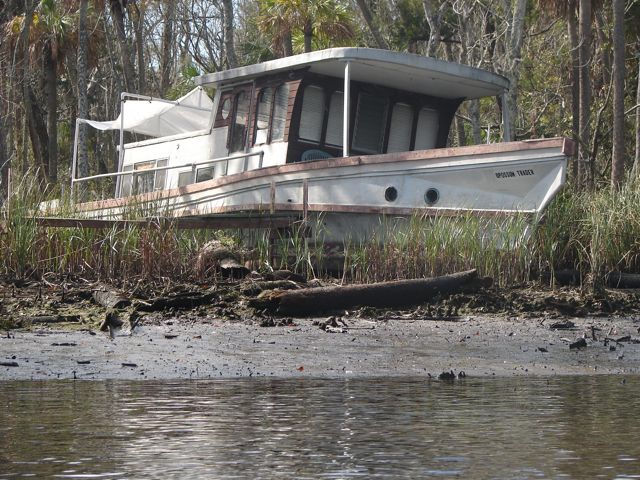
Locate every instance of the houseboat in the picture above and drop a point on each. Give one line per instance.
(344, 135)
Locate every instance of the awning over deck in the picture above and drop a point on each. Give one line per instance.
(159, 118)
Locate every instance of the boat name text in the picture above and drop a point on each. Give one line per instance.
(517, 173)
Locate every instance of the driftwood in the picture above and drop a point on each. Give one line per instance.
(178, 302)
(396, 294)
(110, 298)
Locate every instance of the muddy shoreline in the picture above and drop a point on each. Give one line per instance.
(214, 348)
(62, 331)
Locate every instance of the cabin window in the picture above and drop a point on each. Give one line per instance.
(185, 178)
(427, 129)
(204, 174)
(280, 113)
(312, 114)
(239, 125)
(400, 129)
(370, 123)
(143, 181)
(335, 121)
(265, 99)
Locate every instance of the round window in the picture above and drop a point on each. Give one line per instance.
(432, 196)
(226, 108)
(391, 194)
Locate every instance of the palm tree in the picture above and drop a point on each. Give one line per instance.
(324, 22)
(52, 27)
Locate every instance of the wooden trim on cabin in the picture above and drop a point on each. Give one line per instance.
(418, 155)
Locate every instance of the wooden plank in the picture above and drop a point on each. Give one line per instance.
(215, 223)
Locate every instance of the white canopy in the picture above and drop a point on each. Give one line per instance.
(160, 118)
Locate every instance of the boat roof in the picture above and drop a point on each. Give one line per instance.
(404, 71)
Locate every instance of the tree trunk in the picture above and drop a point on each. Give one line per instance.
(139, 28)
(167, 44)
(373, 27)
(433, 16)
(229, 34)
(83, 101)
(585, 35)
(51, 80)
(575, 83)
(513, 51)
(636, 163)
(604, 45)
(4, 164)
(617, 161)
(117, 13)
(287, 44)
(34, 122)
(308, 36)
(37, 132)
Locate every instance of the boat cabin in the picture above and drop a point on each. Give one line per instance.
(327, 104)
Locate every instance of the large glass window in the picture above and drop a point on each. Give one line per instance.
(263, 114)
(280, 113)
(334, 124)
(239, 125)
(370, 123)
(427, 129)
(400, 129)
(312, 114)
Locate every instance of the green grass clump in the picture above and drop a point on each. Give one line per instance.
(594, 232)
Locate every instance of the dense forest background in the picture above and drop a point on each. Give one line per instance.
(574, 66)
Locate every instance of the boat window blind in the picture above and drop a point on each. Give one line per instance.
(400, 130)
(427, 130)
(263, 113)
(370, 123)
(334, 124)
(280, 112)
(312, 114)
(239, 127)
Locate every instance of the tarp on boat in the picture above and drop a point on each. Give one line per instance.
(158, 118)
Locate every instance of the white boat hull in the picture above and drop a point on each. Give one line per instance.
(355, 191)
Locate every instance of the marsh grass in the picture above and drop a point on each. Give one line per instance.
(593, 232)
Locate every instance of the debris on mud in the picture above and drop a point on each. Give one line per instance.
(273, 298)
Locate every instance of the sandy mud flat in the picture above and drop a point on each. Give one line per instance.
(212, 348)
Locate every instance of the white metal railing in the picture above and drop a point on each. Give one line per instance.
(123, 99)
(192, 165)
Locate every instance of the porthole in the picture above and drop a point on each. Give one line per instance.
(391, 194)
(432, 196)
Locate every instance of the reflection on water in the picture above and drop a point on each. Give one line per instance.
(577, 427)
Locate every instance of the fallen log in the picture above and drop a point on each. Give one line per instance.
(402, 293)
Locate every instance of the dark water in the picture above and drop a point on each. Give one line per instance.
(587, 427)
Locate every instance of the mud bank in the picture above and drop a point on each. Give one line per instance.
(212, 348)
